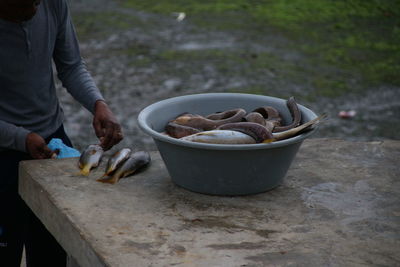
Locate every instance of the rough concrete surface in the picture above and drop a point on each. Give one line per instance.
(339, 206)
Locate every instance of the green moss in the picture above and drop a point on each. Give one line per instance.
(346, 45)
(356, 36)
(188, 6)
(100, 24)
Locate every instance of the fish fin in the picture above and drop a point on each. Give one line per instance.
(108, 173)
(314, 121)
(104, 175)
(127, 173)
(299, 129)
(85, 170)
(324, 116)
(113, 179)
(84, 173)
(108, 180)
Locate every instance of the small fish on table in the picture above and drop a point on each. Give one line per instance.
(121, 164)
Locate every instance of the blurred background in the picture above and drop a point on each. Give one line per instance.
(340, 57)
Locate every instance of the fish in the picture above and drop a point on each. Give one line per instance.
(268, 112)
(211, 121)
(117, 160)
(220, 137)
(258, 132)
(296, 116)
(90, 158)
(232, 115)
(136, 161)
(247, 133)
(294, 131)
(255, 117)
(178, 131)
(271, 116)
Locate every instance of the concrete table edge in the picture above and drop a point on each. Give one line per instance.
(58, 220)
(77, 242)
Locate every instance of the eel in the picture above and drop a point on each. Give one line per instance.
(294, 131)
(177, 131)
(212, 121)
(256, 118)
(258, 132)
(296, 115)
(271, 116)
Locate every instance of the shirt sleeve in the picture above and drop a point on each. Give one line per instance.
(70, 66)
(12, 137)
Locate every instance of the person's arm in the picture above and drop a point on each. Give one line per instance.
(77, 80)
(12, 136)
(71, 69)
(106, 126)
(20, 139)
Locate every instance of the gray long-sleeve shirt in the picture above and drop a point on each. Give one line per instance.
(28, 99)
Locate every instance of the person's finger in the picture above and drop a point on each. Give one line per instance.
(55, 153)
(108, 136)
(120, 136)
(117, 136)
(46, 151)
(98, 128)
(36, 147)
(39, 154)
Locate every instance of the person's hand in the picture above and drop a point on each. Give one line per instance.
(106, 126)
(37, 148)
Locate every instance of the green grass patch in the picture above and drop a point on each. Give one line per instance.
(188, 6)
(356, 36)
(101, 24)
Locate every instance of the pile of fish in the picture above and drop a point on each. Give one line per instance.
(122, 164)
(236, 126)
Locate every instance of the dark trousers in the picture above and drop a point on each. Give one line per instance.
(18, 225)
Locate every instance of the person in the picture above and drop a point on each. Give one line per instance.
(33, 34)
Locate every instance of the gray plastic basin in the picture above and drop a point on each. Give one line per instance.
(222, 169)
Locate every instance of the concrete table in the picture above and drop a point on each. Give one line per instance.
(339, 206)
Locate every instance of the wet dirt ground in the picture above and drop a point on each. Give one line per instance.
(138, 58)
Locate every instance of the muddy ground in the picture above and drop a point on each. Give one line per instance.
(138, 58)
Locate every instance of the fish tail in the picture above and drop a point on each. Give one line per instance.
(85, 170)
(108, 172)
(299, 129)
(111, 180)
(108, 180)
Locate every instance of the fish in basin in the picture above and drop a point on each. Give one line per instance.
(247, 133)
(211, 121)
(220, 137)
(263, 125)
